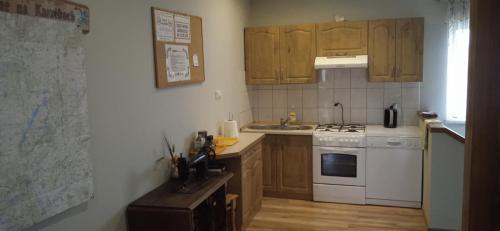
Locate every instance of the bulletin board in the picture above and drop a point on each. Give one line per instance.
(178, 48)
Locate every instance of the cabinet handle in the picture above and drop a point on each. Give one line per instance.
(393, 75)
(341, 54)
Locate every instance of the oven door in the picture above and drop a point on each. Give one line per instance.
(339, 166)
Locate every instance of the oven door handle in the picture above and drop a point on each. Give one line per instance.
(340, 150)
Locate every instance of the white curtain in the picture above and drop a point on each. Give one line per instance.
(458, 55)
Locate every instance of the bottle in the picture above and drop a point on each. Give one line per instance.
(292, 117)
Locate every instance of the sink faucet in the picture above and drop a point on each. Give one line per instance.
(284, 122)
(342, 111)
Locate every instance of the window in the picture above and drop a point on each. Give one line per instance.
(458, 57)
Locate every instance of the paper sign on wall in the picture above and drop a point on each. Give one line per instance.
(164, 26)
(177, 63)
(182, 28)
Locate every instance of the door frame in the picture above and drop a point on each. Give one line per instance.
(481, 207)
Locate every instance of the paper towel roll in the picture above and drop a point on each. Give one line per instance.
(231, 129)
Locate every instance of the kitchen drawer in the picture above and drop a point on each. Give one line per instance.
(394, 142)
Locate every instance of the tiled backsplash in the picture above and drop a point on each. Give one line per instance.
(363, 101)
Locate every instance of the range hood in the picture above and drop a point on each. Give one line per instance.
(357, 61)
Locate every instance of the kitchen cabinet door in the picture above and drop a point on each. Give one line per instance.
(262, 62)
(297, 53)
(294, 165)
(247, 193)
(257, 181)
(381, 50)
(269, 164)
(409, 49)
(342, 38)
(248, 187)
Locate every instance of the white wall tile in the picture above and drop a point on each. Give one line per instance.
(279, 113)
(359, 78)
(294, 86)
(358, 98)
(363, 101)
(264, 87)
(255, 114)
(411, 84)
(374, 116)
(325, 115)
(265, 114)
(310, 98)
(280, 98)
(391, 96)
(358, 115)
(411, 98)
(342, 78)
(310, 86)
(245, 118)
(280, 87)
(294, 98)
(374, 98)
(410, 116)
(265, 98)
(310, 115)
(325, 79)
(254, 98)
(342, 96)
(392, 85)
(375, 85)
(325, 98)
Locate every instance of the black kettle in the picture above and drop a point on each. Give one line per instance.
(391, 116)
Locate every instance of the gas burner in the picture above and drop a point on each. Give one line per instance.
(352, 128)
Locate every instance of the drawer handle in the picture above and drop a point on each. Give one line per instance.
(393, 142)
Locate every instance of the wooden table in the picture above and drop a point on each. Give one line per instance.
(165, 208)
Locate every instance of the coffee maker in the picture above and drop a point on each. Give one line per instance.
(391, 116)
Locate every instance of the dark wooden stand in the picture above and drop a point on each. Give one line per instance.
(164, 208)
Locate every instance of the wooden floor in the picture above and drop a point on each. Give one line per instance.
(295, 215)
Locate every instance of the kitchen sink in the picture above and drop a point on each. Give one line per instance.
(279, 127)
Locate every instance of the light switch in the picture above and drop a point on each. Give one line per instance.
(218, 94)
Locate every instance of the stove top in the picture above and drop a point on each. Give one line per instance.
(335, 128)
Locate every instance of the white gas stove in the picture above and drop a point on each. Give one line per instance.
(339, 159)
(334, 135)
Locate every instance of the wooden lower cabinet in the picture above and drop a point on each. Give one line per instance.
(287, 167)
(246, 183)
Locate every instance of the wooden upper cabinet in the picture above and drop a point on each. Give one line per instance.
(297, 53)
(409, 49)
(396, 50)
(382, 52)
(262, 61)
(342, 38)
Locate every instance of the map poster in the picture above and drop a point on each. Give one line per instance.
(178, 68)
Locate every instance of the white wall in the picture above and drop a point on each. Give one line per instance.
(443, 186)
(128, 114)
(433, 95)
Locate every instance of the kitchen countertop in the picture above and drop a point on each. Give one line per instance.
(247, 140)
(282, 132)
(401, 131)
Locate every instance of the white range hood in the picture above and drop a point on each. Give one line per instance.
(357, 61)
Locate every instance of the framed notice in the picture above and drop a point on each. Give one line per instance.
(178, 48)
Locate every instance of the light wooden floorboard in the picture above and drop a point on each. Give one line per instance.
(296, 215)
